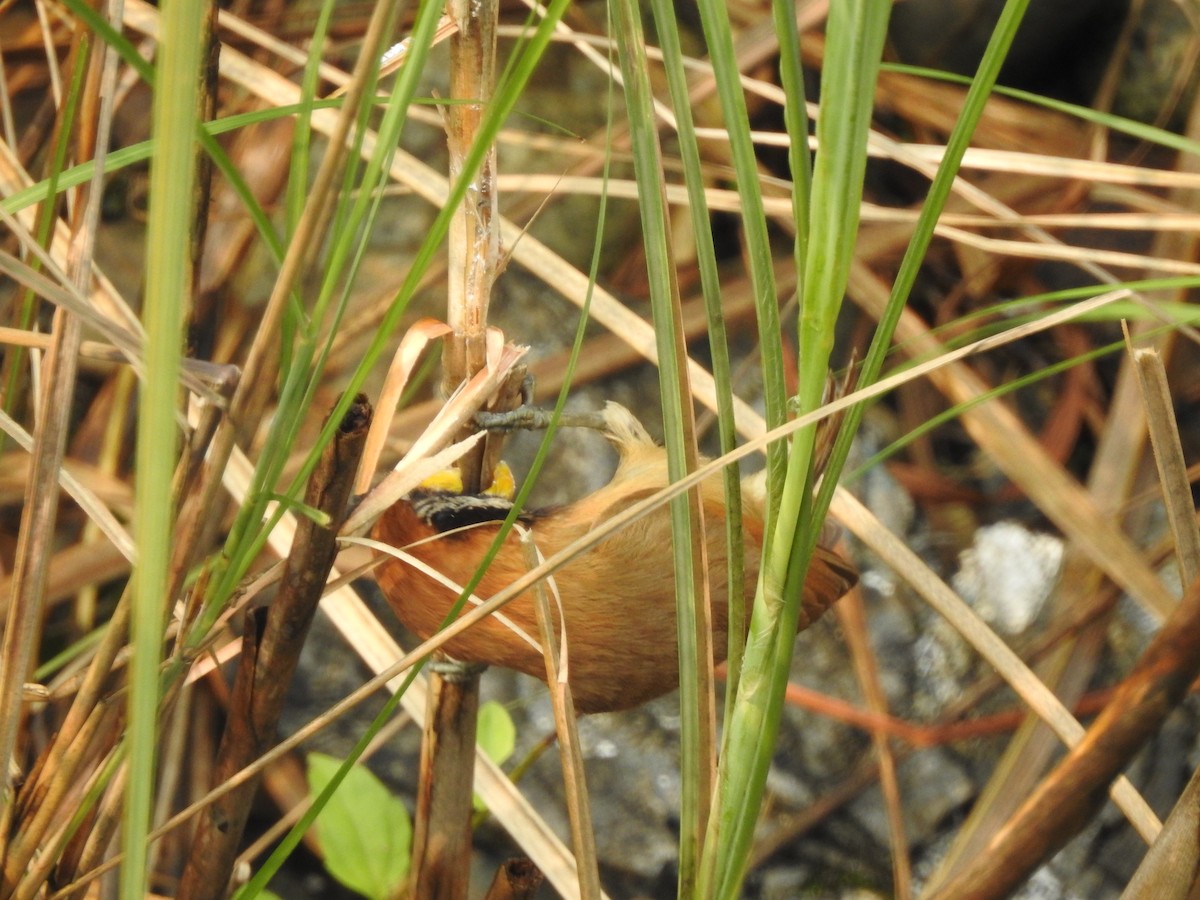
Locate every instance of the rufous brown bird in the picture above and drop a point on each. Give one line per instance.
(618, 599)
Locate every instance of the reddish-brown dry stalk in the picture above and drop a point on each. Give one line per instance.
(1070, 796)
(270, 652)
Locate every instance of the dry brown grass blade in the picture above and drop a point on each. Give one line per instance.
(97, 510)
(950, 227)
(556, 649)
(104, 300)
(1072, 661)
(414, 342)
(1006, 440)
(1168, 871)
(76, 567)
(196, 375)
(74, 244)
(1072, 794)
(852, 616)
(851, 513)
(117, 395)
(36, 537)
(1168, 454)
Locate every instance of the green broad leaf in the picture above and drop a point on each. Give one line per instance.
(497, 735)
(495, 732)
(365, 831)
(240, 894)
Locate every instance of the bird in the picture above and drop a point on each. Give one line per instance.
(617, 599)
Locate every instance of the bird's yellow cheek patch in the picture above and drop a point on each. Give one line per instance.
(504, 483)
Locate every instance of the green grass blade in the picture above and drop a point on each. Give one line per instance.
(697, 728)
(714, 17)
(939, 191)
(168, 287)
(710, 285)
(1139, 130)
(854, 41)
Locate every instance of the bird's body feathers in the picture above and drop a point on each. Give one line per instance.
(618, 598)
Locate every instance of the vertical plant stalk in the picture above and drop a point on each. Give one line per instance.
(1171, 867)
(206, 111)
(172, 722)
(442, 823)
(473, 241)
(1168, 454)
(854, 44)
(697, 705)
(715, 313)
(61, 366)
(579, 809)
(34, 544)
(442, 833)
(38, 514)
(270, 655)
(168, 289)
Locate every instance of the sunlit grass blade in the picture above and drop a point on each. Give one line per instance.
(1139, 130)
(710, 285)
(854, 41)
(168, 286)
(697, 713)
(939, 191)
(718, 34)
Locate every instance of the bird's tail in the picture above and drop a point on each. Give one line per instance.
(622, 427)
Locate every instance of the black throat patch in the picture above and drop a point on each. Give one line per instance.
(446, 511)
